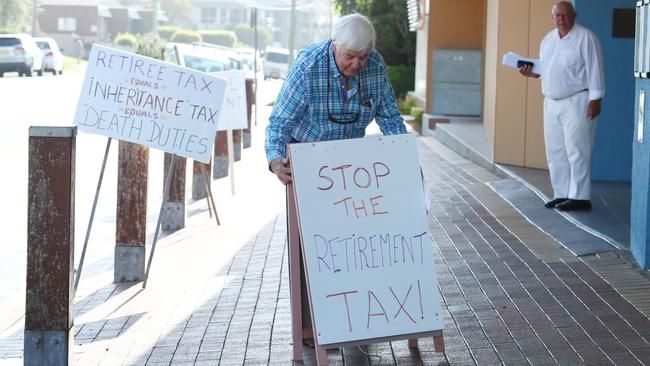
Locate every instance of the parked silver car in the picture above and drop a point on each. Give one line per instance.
(53, 57)
(19, 52)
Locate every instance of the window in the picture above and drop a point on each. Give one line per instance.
(208, 15)
(8, 42)
(43, 45)
(67, 24)
(204, 64)
(281, 58)
(623, 23)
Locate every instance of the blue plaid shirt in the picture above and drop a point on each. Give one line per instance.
(315, 86)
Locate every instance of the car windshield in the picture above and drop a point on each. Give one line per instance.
(9, 42)
(203, 64)
(43, 45)
(280, 58)
(235, 64)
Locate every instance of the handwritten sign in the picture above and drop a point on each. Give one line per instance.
(233, 113)
(142, 100)
(366, 242)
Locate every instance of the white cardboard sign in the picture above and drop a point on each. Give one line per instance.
(365, 239)
(233, 113)
(149, 102)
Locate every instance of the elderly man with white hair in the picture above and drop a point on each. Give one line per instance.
(573, 84)
(334, 89)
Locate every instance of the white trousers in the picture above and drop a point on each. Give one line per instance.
(569, 138)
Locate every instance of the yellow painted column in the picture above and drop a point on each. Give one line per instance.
(512, 104)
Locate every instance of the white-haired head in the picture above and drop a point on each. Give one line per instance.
(354, 32)
(567, 4)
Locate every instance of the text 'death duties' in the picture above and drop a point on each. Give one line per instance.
(149, 102)
(365, 239)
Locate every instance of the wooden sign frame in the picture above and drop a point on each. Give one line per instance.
(302, 317)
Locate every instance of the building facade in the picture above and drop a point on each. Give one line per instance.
(68, 21)
(512, 106)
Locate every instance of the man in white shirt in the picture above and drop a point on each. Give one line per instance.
(573, 84)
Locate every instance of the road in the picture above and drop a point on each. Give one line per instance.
(51, 101)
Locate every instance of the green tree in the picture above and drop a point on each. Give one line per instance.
(178, 11)
(15, 15)
(346, 7)
(390, 19)
(394, 40)
(151, 46)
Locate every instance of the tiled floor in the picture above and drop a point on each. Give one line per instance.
(511, 293)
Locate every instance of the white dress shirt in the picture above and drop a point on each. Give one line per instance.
(572, 64)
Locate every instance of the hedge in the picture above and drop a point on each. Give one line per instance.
(219, 37)
(167, 31)
(126, 40)
(402, 78)
(186, 36)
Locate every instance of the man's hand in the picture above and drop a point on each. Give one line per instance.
(593, 109)
(281, 168)
(527, 71)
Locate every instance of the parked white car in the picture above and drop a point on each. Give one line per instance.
(276, 63)
(53, 58)
(248, 58)
(201, 58)
(19, 52)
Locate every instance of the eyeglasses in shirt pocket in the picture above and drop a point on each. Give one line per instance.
(366, 115)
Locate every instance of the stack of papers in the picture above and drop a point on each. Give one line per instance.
(510, 59)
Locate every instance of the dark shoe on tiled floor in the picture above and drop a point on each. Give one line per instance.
(574, 205)
(552, 203)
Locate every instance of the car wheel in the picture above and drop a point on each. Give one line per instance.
(28, 72)
(61, 72)
(39, 72)
(54, 72)
(2, 74)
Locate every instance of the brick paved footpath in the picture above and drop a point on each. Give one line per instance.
(219, 295)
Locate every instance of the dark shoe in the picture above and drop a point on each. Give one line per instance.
(551, 204)
(574, 205)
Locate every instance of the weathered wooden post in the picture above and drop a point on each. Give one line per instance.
(220, 161)
(131, 213)
(174, 209)
(50, 247)
(237, 144)
(199, 188)
(250, 100)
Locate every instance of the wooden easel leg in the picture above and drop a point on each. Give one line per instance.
(294, 275)
(439, 343)
(321, 356)
(413, 343)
